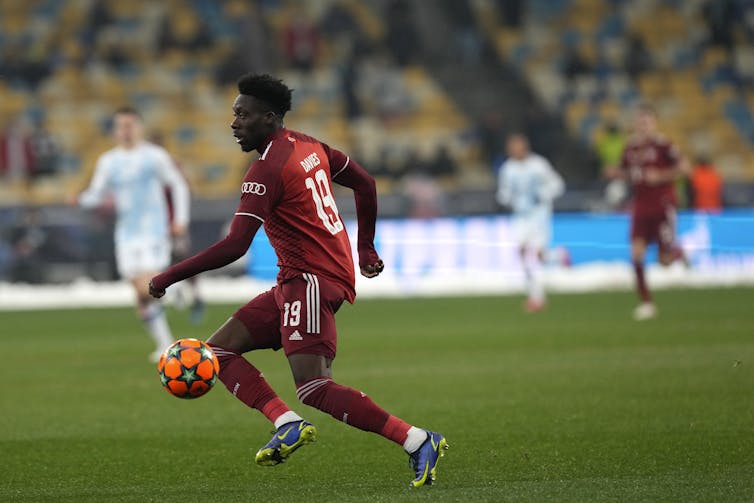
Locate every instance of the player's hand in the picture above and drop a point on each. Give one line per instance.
(653, 177)
(154, 292)
(372, 270)
(72, 200)
(178, 230)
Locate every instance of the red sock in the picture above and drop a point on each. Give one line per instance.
(641, 283)
(352, 407)
(248, 385)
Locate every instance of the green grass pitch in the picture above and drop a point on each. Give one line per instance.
(576, 404)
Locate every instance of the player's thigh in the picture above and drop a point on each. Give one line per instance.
(642, 234)
(306, 367)
(140, 283)
(307, 315)
(666, 233)
(254, 325)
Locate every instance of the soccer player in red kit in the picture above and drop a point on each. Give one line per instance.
(652, 164)
(288, 190)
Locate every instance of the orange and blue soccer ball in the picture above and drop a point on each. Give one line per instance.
(188, 368)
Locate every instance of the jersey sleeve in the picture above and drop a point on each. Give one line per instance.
(553, 185)
(95, 192)
(504, 196)
(338, 161)
(261, 190)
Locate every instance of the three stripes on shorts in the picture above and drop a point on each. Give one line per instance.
(312, 303)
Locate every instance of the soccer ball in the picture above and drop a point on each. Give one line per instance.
(188, 368)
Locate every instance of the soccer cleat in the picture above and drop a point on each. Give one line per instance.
(424, 460)
(285, 441)
(645, 311)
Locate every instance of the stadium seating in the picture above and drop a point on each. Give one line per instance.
(699, 89)
(100, 59)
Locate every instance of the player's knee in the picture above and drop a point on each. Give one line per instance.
(232, 336)
(311, 392)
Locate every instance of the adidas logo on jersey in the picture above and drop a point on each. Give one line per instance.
(295, 336)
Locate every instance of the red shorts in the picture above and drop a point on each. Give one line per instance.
(297, 315)
(658, 228)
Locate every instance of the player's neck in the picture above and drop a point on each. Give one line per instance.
(129, 146)
(263, 146)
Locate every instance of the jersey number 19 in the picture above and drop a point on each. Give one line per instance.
(324, 201)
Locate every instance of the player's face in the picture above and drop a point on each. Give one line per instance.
(517, 147)
(252, 123)
(127, 129)
(646, 123)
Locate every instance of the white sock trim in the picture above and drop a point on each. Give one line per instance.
(287, 417)
(414, 440)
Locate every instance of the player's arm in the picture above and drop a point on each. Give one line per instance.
(504, 194)
(220, 254)
(678, 168)
(252, 210)
(179, 191)
(553, 185)
(95, 193)
(347, 172)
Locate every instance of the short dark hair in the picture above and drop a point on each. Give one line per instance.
(267, 89)
(127, 110)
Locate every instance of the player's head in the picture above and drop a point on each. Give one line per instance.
(645, 119)
(517, 146)
(259, 109)
(128, 129)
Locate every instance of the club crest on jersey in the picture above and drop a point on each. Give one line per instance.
(311, 162)
(255, 188)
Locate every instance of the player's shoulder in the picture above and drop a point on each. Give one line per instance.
(107, 157)
(297, 136)
(152, 149)
(539, 160)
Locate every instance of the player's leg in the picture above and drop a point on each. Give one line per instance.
(669, 250)
(152, 314)
(138, 262)
(309, 338)
(538, 240)
(646, 308)
(188, 289)
(315, 387)
(253, 326)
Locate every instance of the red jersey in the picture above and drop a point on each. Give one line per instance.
(289, 189)
(640, 156)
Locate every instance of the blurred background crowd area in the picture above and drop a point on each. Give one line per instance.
(410, 88)
(421, 93)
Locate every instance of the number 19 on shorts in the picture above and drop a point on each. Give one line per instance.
(292, 313)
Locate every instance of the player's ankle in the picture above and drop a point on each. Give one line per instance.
(414, 439)
(287, 417)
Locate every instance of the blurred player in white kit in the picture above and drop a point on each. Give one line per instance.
(528, 184)
(134, 173)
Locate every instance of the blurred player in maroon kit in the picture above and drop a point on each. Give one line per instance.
(181, 247)
(652, 164)
(288, 189)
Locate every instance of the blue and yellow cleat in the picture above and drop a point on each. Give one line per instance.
(425, 459)
(285, 441)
